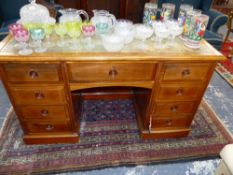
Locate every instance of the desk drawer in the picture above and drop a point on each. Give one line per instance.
(170, 122)
(96, 72)
(172, 108)
(179, 92)
(38, 95)
(23, 73)
(194, 71)
(44, 112)
(47, 126)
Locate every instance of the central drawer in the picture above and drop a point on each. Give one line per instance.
(38, 95)
(104, 72)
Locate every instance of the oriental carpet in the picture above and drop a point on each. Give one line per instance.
(225, 68)
(109, 138)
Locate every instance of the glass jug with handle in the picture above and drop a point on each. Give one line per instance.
(103, 21)
(72, 15)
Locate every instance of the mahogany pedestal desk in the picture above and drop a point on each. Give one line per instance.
(47, 90)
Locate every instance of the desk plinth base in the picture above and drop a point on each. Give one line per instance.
(49, 139)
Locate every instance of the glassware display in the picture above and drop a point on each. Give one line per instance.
(198, 27)
(61, 31)
(72, 15)
(168, 10)
(161, 32)
(184, 9)
(22, 36)
(103, 21)
(142, 32)
(12, 29)
(38, 34)
(88, 30)
(48, 27)
(149, 13)
(187, 26)
(124, 28)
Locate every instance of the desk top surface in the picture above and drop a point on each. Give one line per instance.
(133, 51)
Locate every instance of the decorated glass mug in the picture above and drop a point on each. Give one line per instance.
(168, 10)
(184, 9)
(198, 27)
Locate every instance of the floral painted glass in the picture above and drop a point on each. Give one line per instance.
(88, 30)
(168, 11)
(184, 9)
(22, 35)
(199, 24)
(38, 34)
(187, 26)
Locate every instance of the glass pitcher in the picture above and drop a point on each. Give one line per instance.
(72, 15)
(103, 21)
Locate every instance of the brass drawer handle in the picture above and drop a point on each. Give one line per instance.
(169, 122)
(49, 127)
(44, 112)
(179, 92)
(174, 108)
(185, 72)
(113, 73)
(33, 74)
(39, 95)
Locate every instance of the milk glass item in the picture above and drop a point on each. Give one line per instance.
(168, 11)
(161, 32)
(198, 28)
(60, 29)
(103, 21)
(38, 34)
(184, 9)
(72, 15)
(187, 26)
(124, 28)
(149, 13)
(21, 35)
(143, 32)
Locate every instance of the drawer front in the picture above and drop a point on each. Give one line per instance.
(170, 122)
(176, 92)
(192, 71)
(23, 73)
(47, 126)
(171, 108)
(38, 95)
(92, 72)
(44, 112)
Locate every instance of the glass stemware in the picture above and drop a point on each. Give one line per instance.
(12, 28)
(88, 30)
(143, 32)
(48, 29)
(161, 32)
(61, 30)
(174, 30)
(22, 36)
(38, 34)
(74, 31)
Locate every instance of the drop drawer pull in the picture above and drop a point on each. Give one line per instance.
(39, 95)
(169, 122)
(185, 72)
(44, 112)
(113, 73)
(179, 92)
(33, 74)
(174, 108)
(49, 127)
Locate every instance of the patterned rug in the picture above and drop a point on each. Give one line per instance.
(225, 68)
(109, 137)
